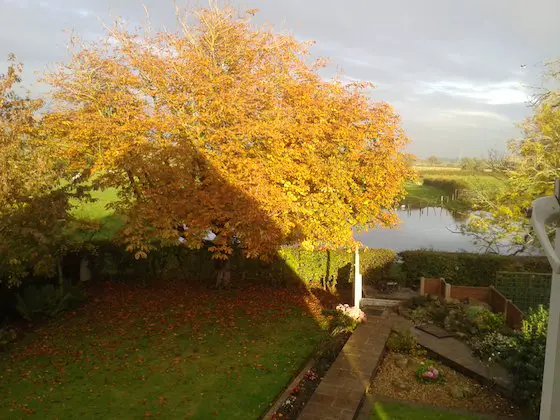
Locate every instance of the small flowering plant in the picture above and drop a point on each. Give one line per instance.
(311, 376)
(428, 374)
(352, 312)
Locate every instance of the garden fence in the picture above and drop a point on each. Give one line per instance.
(526, 290)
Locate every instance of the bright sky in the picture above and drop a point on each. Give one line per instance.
(458, 72)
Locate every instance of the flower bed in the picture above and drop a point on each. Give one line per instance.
(343, 322)
(404, 377)
(304, 389)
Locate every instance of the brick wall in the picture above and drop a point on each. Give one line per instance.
(468, 292)
(514, 316)
(433, 287)
(498, 302)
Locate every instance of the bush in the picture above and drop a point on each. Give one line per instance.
(293, 266)
(493, 346)
(447, 185)
(526, 360)
(341, 323)
(405, 343)
(489, 322)
(331, 269)
(465, 269)
(7, 336)
(428, 374)
(471, 319)
(46, 300)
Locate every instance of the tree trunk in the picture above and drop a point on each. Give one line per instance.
(223, 274)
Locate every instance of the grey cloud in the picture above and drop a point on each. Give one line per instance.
(450, 68)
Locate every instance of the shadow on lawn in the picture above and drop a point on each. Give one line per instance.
(154, 326)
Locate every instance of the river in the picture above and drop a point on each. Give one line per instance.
(428, 228)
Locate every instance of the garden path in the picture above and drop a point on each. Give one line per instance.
(340, 393)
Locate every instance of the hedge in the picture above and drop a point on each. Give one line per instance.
(464, 268)
(447, 185)
(293, 265)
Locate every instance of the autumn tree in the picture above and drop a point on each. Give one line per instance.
(433, 160)
(226, 128)
(33, 210)
(530, 170)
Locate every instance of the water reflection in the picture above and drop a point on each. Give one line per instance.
(430, 227)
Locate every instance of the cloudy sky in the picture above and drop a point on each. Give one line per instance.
(458, 72)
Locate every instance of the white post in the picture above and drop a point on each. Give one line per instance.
(550, 402)
(357, 280)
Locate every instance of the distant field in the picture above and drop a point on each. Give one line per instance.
(422, 195)
(421, 168)
(418, 195)
(471, 181)
(97, 211)
(444, 182)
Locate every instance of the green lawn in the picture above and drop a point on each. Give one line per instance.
(98, 208)
(422, 195)
(419, 195)
(167, 352)
(97, 211)
(473, 180)
(397, 411)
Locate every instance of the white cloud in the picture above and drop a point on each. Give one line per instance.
(82, 12)
(466, 113)
(499, 93)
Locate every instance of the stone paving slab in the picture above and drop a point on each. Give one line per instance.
(341, 391)
(369, 302)
(434, 330)
(459, 356)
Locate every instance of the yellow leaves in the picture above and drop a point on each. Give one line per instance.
(224, 128)
(307, 245)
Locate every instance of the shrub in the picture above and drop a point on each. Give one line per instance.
(342, 323)
(454, 316)
(457, 320)
(353, 312)
(428, 374)
(447, 185)
(405, 343)
(47, 300)
(465, 269)
(334, 268)
(526, 360)
(493, 346)
(7, 336)
(429, 310)
(293, 266)
(489, 322)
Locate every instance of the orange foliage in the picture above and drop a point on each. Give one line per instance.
(224, 127)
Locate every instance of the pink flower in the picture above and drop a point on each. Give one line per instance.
(430, 374)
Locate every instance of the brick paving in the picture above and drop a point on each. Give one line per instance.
(340, 393)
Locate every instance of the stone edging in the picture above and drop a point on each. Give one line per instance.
(288, 390)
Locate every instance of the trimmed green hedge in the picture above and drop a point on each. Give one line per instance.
(333, 268)
(465, 269)
(292, 266)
